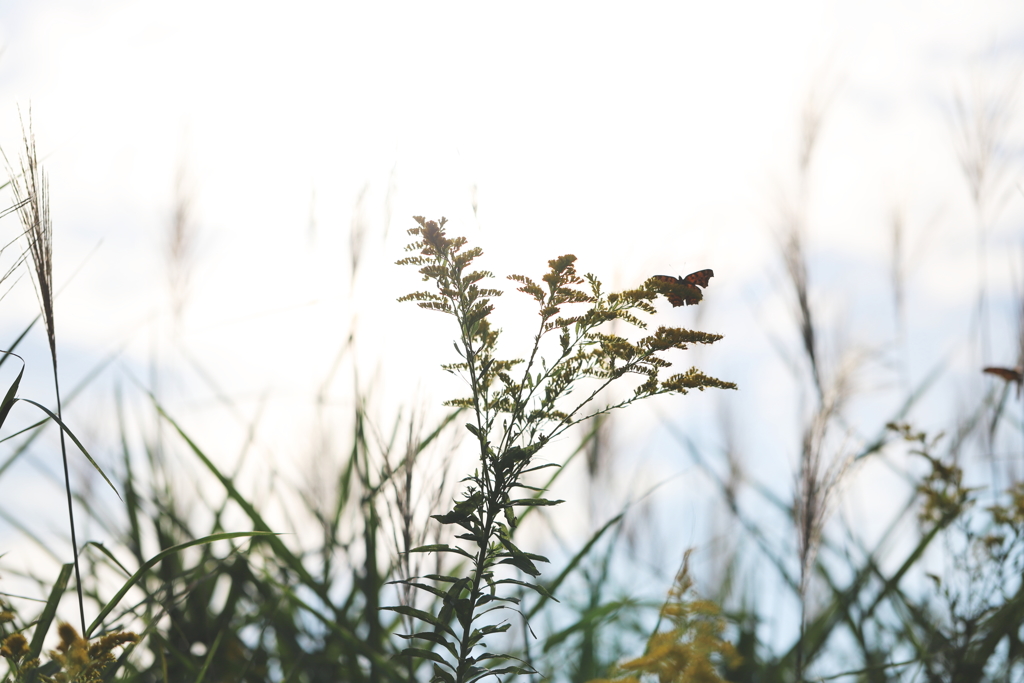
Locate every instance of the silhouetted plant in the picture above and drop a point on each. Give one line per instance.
(513, 418)
(972, 631)
(31, 193)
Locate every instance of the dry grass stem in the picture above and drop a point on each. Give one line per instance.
(31, 194)
(981, 126)
(182, 240)
(981, 131)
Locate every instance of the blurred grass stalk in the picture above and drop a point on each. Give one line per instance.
(820, 469)
(31, 192)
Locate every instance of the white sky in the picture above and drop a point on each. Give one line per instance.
(651, 139)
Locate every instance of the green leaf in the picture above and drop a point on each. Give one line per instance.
(442, 577)
(441, 676)
(510, 517)
(75, 439)
(520, 485)
(424, 654)
(422, 586)
(475, 673)
(463, 611)
(464, 512)
(49, 611)
(425, 617)
(516, 552)
(487, 656)
(441, 548)
(533, 502)
(137, 576)
(8, 402)
(537, 587)
(522, 563)
(518, 670)
(435, 638)
(451, 599)
(493, 628)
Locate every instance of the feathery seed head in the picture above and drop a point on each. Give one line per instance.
(31, 192)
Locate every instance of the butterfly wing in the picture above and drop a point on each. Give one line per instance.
(699, 279)
(666, 284)
(685, 295)
(679, 291)
(1010, 375)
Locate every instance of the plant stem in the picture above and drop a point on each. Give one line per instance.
(67, 488)
(478, 572)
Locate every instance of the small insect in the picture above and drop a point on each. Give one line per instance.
(1014, 375)
(683, 291)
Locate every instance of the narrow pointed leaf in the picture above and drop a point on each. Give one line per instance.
(49, 611)
(441, 548)
(424, 654)
(74, 438)
(423, 616)
(8, 402)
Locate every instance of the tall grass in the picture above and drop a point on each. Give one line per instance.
(397, 582)
(31, 193)
(888, 625)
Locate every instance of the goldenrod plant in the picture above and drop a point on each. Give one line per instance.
(692, 650)
(517, 406)
(76, 660)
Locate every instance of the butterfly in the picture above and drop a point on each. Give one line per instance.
(1009, 374)
(683, 291)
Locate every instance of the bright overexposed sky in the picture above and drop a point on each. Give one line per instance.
(651, 137)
